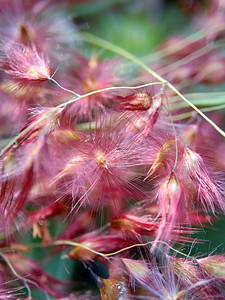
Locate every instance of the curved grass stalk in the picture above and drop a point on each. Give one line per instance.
(72, 100)
(46, 115)
(25, 281)
(63, 88)
(90, 38)
(122, 52)
(87, 126)
(75, 244)
(71, 243)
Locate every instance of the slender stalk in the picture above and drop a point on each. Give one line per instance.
(63, 105)
(65, 89)
(90, 38)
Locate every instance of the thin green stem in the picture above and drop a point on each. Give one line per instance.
(90, 38)
(83, 246)
(63, 88)
(71, 243)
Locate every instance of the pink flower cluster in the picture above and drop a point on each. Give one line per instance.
(128, 174)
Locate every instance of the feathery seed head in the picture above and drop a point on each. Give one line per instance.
(169, 194)
(209, 194)
(214, 265)
(25, 66)
(99, 167)
(162, 156)
(137, 101)
(192, 160)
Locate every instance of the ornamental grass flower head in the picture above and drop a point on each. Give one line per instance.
(99, 168)
(24, 65)
(161, 282)
(208, 193)
(37, 22)
(22, 167)
(111, 168)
